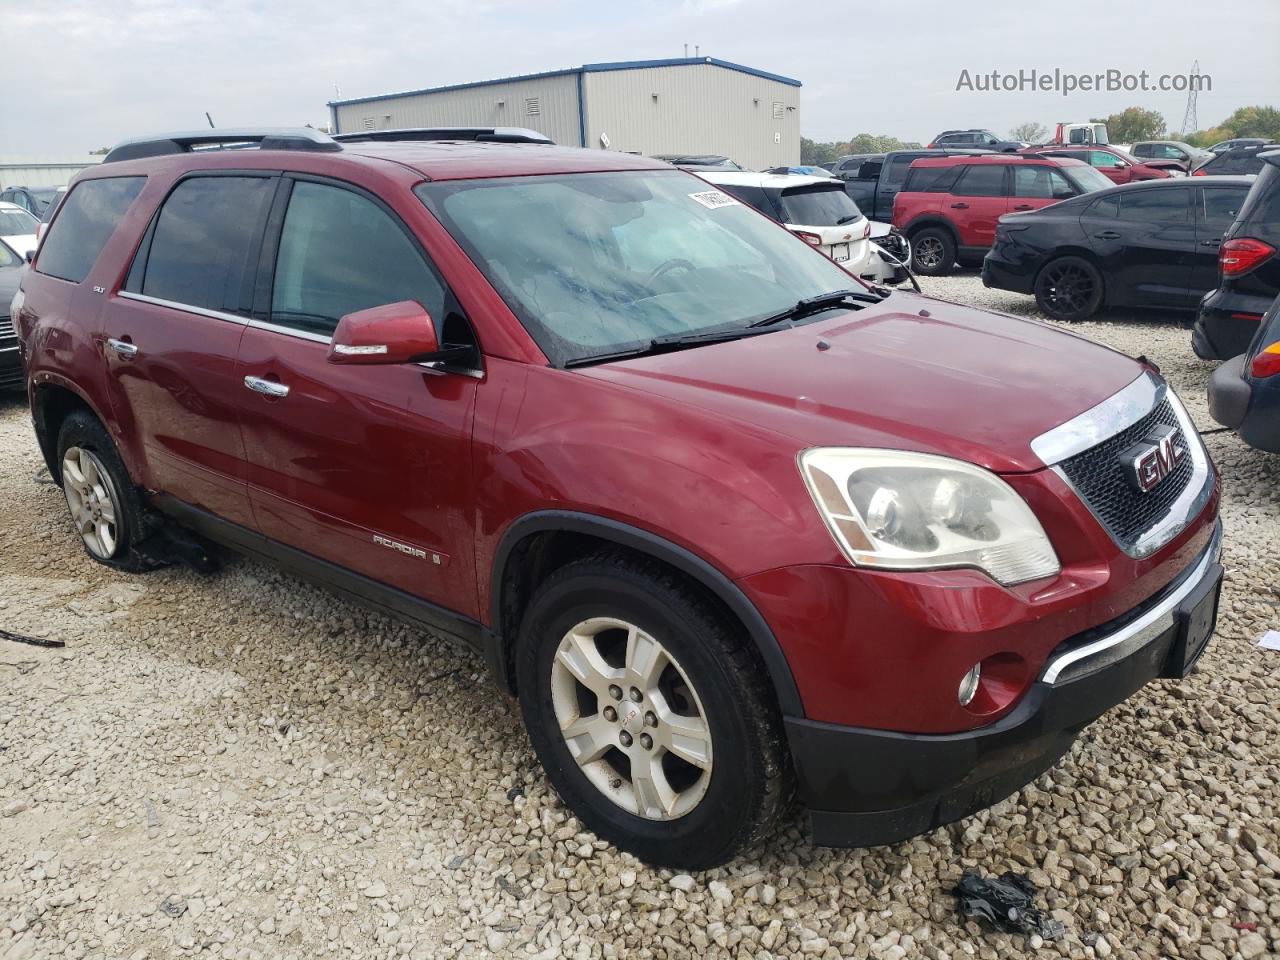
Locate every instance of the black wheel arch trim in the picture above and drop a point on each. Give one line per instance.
(930, 220)
(643, 541)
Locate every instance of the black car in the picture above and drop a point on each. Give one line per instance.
(1248, 270)
(1236, 161)
(977, 137)
(1244, 392)
(1153, 243)
(10, 361)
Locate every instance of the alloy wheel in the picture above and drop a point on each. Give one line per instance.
(93, 501)
(631, 719)
(929, 252)
(1068, 288)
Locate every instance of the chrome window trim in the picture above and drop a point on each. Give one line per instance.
(1190, 502)
(184, 307)
(1133, 636)
(1101, 422)
(290, 331)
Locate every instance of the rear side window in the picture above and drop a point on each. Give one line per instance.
(89, 215)
(340, 252)
(981, 180)
(1237, 161)
(1141, 150)
(1221, 205)
(897, 172)
(1040, 181)
(752, 197)
(1262, 205)
(931, 179)
(818, 207)
(1156, 205)
(203, 245)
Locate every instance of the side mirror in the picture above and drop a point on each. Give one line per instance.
(30, 256)
(401, 332)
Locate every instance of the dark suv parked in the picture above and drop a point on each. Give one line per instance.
(1248, 270)
(545, 400)
(975, 137)
(1237, 160)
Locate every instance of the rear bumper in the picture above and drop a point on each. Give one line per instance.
(866, 787)
(1252, 408)
(1226, 324)
(1007, 276)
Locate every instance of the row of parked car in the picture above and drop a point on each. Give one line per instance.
(1081, 227)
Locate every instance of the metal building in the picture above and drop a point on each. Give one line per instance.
(43, 171)
(692, 105)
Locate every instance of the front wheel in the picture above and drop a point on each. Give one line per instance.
(1069, 288)
(933, 252)
(652, 721)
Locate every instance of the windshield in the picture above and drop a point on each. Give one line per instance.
(17, 223)
(1086, 178)
(818, 206)
(600, 263)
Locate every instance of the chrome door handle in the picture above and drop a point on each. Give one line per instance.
(268, 388)
(123, 348)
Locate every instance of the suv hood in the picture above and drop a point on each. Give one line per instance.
(911, 373)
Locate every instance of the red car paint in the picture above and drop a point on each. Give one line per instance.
(971, 219)
(1120, 168)
(697, 447)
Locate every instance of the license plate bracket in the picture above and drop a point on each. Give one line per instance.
(840, 252)
(1195, 617)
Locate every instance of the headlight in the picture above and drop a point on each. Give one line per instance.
(915, 511)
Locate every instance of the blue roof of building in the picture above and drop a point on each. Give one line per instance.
(585, 68)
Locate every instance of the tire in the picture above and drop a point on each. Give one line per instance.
(933, 252)
(607, 611)
(1069, 288)
(105, 507)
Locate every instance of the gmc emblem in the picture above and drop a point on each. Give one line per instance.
(1153, 457)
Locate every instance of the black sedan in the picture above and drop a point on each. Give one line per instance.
(1244, 392)
(1148, 244)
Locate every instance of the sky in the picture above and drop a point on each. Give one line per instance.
(84, 74)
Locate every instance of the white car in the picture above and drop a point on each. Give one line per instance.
(18, 228)
(817, 210)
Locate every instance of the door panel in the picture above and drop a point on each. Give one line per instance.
(979, 198)
(368, 467)
(1157, 247)
(1216, 209)
(172, 399)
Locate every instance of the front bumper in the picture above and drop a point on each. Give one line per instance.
(865, 787)
(11, 376)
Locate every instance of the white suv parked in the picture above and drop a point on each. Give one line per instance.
(816, 209)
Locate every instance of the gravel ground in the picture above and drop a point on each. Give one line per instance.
(242, 766)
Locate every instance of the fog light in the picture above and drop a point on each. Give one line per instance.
(969, 685)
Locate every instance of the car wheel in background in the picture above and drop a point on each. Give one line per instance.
(933, 252)
(104, 504)
(652, 720)
(1069, 288)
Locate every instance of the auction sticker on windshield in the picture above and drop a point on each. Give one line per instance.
(714, 198)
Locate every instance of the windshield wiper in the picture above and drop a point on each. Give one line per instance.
(848, 219)
(823, 301)
(667, 344)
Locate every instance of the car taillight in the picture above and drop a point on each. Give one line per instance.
(1198, 173)
(1267, 362)
(812, 237)
(1239, 256)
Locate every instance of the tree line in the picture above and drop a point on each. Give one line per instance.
(1128, 126)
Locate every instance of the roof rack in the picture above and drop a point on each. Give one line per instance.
(264, 138)
(479, 134)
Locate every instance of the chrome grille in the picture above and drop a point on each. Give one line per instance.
(6, 328)
(1099, 477)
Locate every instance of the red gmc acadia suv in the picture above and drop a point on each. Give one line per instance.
(732, 525)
